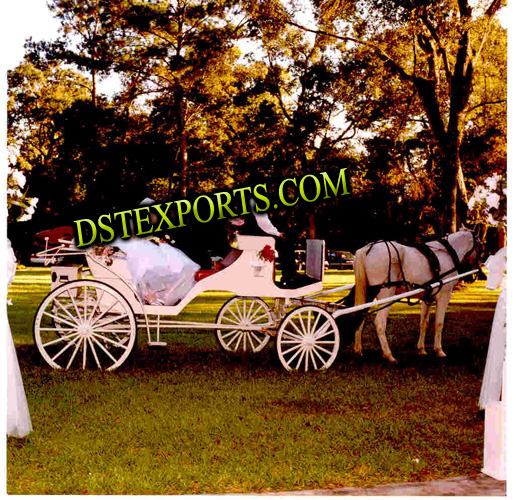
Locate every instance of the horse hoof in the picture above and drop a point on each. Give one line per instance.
(358, 353)
(440, 353)
(391, 359)
(422, 352)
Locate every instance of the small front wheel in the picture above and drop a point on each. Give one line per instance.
(245, 318)
(308, 339)
(84, 324)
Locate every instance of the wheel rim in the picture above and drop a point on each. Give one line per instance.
(242, 312)
(85, 324)
(308, 339)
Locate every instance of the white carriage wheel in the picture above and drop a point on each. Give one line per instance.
(308, 339)
(244, 312)
(85, 324)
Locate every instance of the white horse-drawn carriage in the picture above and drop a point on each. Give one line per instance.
(93, 313)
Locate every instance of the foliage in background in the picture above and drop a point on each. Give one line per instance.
(410, 97)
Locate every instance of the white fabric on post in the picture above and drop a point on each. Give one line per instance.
(492, 382)
(18, 418)
(492, 394)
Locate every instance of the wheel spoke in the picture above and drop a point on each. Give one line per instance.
(250, 342)
(85, 302)
(296, 328)
(69, 344)
(322, 328)
(60, 319)
(260, 306)
(323, 349)
(84, 352)
(291, 349)
(293, 335)
(78, 344)
(313, 358)
(238, 310)
(318, 355)
(254, 335)
(231, 332)
(74, 303)
(105, 339)
(101, 315)
(59, 304)
(323, 334)
(103, 349)
(305, 331)
(238, 333)
(300, 359)
(61, 339)
(247, 316)
(98, 300)
(109, 321)
(238, 320)
(318, 317)
(94, 352)
(58, 330)
(240, 338)
(257, 319)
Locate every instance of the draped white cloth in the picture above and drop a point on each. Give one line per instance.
(491, 391)
(18, 418)
(161, 269)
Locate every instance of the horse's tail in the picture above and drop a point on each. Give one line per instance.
(361, 280)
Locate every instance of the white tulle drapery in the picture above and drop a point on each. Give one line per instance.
(491, 391)
(18, 418)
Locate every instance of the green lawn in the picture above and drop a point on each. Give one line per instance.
(189, 418)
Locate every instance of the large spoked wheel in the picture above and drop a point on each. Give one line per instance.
(241, 312)
(85, 324)
(308, 339)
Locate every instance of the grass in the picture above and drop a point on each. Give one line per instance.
(191, 419)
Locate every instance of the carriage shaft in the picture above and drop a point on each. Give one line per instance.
(394, 298)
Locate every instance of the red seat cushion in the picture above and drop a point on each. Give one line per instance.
(204, 273)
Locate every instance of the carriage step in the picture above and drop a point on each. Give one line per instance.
(157, 344)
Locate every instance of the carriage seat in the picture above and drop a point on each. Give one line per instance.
(230, 258)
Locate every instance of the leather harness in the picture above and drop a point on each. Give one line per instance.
(433, 261)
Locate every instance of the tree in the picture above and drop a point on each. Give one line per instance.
(181, 56)
(446, 40)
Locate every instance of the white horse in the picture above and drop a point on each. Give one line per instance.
(391, 263)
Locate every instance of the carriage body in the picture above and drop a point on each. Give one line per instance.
(93, 318)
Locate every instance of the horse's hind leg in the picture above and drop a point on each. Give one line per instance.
(424, 322)
(381, 319)
(443, 299)
(357, 348)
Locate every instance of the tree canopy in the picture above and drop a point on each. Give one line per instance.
(408, 95)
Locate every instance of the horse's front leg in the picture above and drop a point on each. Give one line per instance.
(443, 299)
(424, 322)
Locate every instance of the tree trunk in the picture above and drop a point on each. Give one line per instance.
(184, 163)
(182, 148)
(94, 97)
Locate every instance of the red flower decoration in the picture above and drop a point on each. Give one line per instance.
(267, 254)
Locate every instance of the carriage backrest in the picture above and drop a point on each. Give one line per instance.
(315, 250)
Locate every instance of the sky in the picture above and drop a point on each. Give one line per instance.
(23, 19)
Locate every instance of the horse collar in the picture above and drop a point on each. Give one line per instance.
(451, 251)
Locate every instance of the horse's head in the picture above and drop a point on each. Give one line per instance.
(474, 251)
